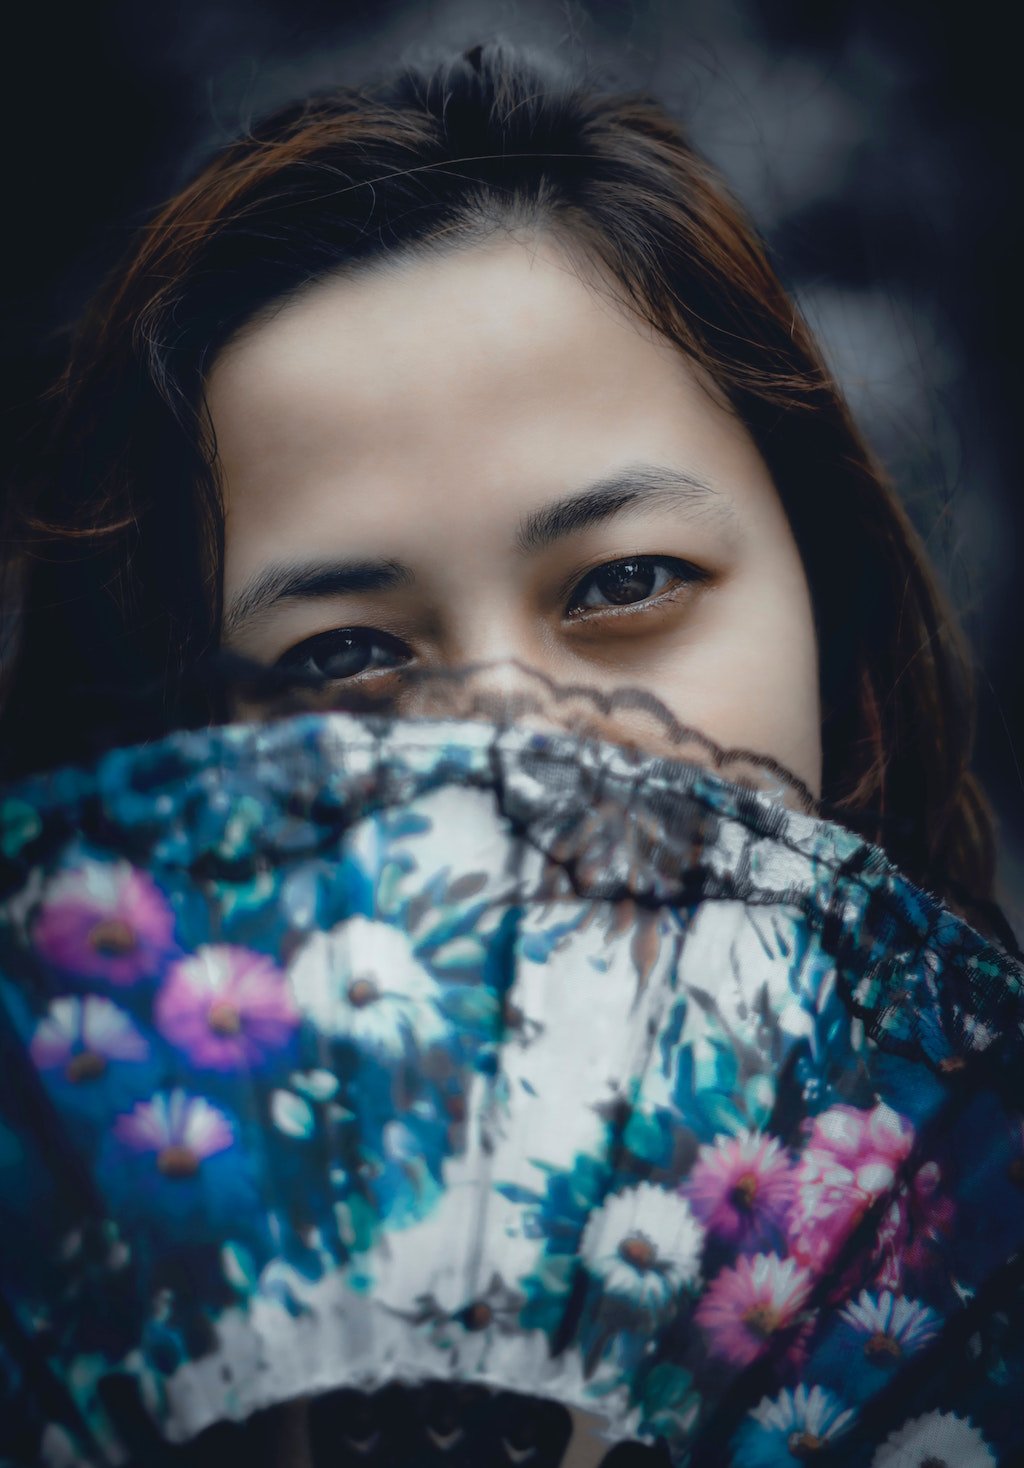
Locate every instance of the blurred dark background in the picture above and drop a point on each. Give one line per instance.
(875, 144)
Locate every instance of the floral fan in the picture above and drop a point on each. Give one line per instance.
(340, 1053)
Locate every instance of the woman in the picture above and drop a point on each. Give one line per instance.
(480, 368)
(437, 213)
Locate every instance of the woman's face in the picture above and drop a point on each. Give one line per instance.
(479, 456)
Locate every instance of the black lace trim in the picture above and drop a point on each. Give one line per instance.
(608, 821)
(630, 716)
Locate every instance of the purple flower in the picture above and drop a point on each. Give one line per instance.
(745, 1307)
(741, 1189)
(81, 1037)
(180, 1132)
(104, 920)
(227, 1007)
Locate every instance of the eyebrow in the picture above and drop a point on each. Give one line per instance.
(650, 485)
(647, 485)
(311, 581)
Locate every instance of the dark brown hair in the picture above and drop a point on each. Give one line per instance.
(122, 533)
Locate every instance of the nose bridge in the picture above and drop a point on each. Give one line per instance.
(495, 633)
(490, 611)
(489, 619)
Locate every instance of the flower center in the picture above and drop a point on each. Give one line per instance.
(762, 1320)
(951, 1064)
(803, 1444)
(478, 1316)
(224, 1019)
(362, 992)
(880, 1345)
(86, 1066)
(745, 1190)
(112, 937)
(638, 1251)
(177, 1161)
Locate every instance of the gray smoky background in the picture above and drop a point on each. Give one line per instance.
(874, 144)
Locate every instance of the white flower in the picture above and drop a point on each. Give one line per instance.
(814, 1414)
(938, 1439)
(893, 1325)
(362, 982)
(644, 1246)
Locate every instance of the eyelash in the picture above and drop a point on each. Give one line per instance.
(336, 643)
(683, 572)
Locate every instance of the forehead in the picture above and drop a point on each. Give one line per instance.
(428, 338)
(486, 379)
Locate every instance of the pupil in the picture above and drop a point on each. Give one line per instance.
(626, 582)
(346, 656)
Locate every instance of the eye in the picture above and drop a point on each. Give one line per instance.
(345, 653)
(631, 582)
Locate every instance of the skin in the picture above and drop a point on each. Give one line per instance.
(428, 412)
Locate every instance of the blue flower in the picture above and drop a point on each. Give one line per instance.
(784, 1431)
(93, 1060)
(174, 1166)
(889, 1325)
(870, 1339)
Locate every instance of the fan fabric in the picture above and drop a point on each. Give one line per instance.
(339, 1053)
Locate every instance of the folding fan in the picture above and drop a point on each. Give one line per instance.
(341, 1054)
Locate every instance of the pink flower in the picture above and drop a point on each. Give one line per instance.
(741, 1189)
(913, 1228)
(227, 1007)
(180, 1131)
(745, 1307)
(82, 1036)
(852, 1159)
(104, 920)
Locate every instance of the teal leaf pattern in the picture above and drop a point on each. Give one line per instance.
(511, 1057)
